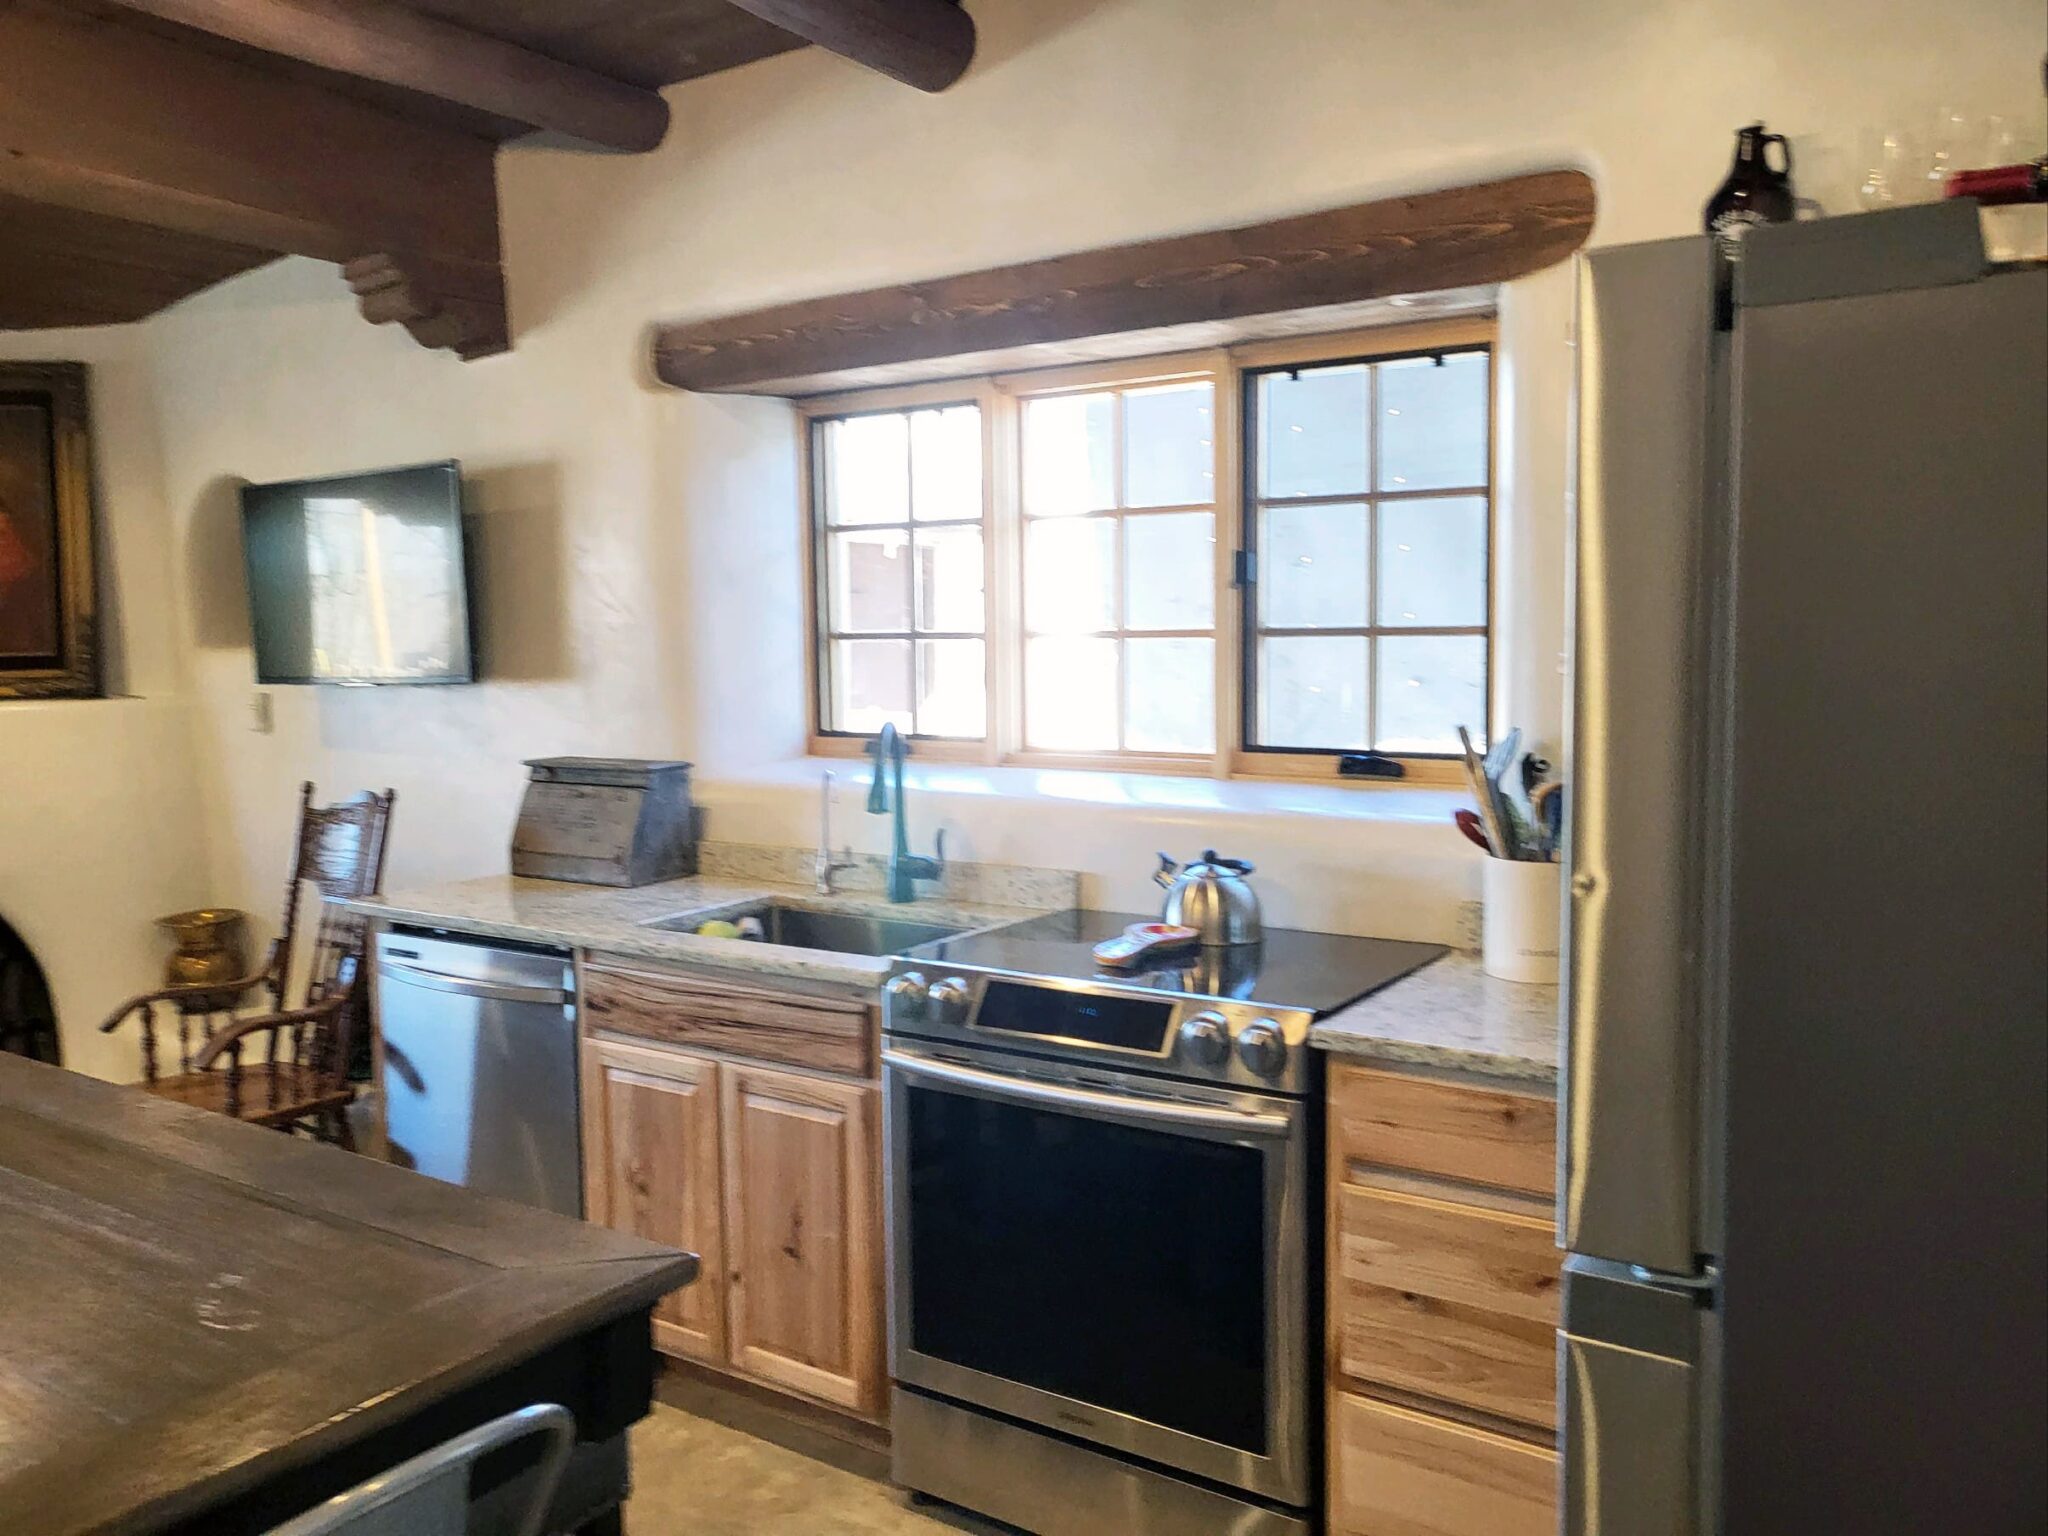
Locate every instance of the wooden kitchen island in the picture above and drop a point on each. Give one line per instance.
(209, 1327)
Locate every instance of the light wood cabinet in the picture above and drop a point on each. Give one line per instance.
(1447, 1300)
(1401, 1473)
(1474, 1133)
(651, 1167)
(790, 1027)
(771, 1175)
(803, 1221)
(1444, 1289)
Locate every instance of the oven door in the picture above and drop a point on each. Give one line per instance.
(1117, 1258)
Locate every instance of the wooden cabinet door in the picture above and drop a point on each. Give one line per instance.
(1394, 1472)
(1452, 1301)
(651, 1167)
(803, 1218)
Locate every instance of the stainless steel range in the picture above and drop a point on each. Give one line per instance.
(1102, 1226)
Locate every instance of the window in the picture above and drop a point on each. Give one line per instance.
(1039, 568)
(1368, 509)
(1119, 530)
(902, 572)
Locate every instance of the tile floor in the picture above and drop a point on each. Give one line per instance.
(721, 1465)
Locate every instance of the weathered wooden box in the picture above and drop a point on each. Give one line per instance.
(605, 821)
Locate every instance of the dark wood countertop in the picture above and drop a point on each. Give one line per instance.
(193, 1306)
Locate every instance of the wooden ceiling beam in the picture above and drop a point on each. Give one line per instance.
(62, 267)
(1457, 238)
(378, 40)
(925, 43)
(107, 119)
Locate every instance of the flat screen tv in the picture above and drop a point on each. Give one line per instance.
(360, 578)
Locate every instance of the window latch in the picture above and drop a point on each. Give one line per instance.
(1244, 568)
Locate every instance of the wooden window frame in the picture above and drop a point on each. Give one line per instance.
(811, 414)
(1212, 368)
(1230, 370)
(1389, 344)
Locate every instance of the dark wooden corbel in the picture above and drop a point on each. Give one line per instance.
(456, 305)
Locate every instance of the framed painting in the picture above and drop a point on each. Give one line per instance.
(48, 625)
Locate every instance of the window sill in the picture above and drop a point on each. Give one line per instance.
(1157, 793)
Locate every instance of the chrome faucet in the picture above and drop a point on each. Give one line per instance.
(824, 867)
(905, 868)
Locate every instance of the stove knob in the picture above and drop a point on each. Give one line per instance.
(906, 995)
(949, 1000)
(1205, 1039)
(1262, 1048)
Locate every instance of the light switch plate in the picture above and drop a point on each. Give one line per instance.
(261, 720)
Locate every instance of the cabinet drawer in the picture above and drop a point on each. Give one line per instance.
(792, 1029)
(1449, 1301)
(1398, 1473)
(1482, 1135)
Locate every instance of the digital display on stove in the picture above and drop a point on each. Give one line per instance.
(1127, 1023)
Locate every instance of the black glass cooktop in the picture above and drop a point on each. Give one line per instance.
(1320, 972)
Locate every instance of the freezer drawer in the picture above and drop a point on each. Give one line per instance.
(479, 1047)
(1632, 1364)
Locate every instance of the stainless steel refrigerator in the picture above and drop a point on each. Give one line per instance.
(1802, 1143)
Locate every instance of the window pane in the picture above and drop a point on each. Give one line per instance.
(1312, 567)
(1170, 695)
(1068, 576)
(867, 461)
(949, 579)
(870, 588)
(1315, 432)
(952, 688)
(1429, 685)
(1433, 562)
(1312, 691)
(945, 464)
(1169, 446)
(1067, 455)
(1170, 571)
(870, 684)
(1070, 694)
(1433, 423)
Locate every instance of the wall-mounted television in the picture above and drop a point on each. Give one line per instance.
(360, 578)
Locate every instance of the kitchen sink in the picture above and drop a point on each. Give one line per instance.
(842, 933)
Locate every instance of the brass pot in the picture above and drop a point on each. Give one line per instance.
(209, 950)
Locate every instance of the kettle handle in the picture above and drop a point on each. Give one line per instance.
(1163, 875)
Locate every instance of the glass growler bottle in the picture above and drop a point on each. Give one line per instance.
(1756, 192)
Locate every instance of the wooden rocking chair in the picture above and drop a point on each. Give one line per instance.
(307, 1003)
(297, 1073)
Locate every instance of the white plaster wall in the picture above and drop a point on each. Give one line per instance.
(640, 558)
(99, 805)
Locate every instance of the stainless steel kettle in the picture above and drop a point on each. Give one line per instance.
(1211, 896)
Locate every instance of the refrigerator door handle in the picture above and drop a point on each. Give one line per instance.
(1706, 1283)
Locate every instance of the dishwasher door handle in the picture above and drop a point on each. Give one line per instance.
(463, 986)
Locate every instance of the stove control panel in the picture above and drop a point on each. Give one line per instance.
(1125, 1027)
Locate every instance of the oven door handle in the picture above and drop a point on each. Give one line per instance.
(1090, 1101)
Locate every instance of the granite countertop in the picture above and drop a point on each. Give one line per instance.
(1452, 1016)
(732, 877)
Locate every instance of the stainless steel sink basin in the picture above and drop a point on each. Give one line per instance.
(841, 933)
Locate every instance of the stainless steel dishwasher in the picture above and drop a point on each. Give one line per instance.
(480, 1066)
